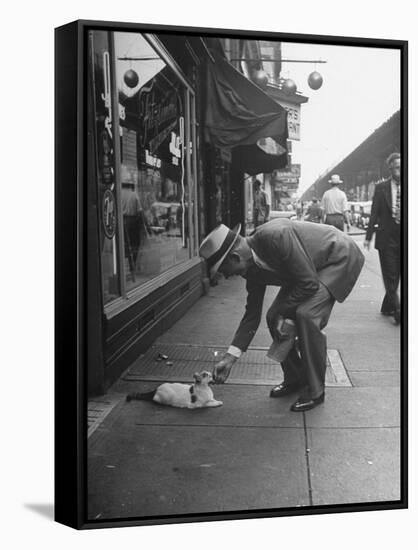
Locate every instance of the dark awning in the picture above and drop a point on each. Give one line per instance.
(241, 117)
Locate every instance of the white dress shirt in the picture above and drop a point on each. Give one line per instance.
(334, 201)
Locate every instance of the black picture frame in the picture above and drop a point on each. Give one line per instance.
(73, 245)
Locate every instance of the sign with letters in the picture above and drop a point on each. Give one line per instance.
(293, 119)
(288, 180)
(291, 172)
(109, 214)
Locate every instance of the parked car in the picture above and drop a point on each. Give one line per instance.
(360, 213)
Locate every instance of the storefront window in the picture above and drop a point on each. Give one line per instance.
(143, 158)
(153, 161)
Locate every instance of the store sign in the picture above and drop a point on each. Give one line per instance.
(151, 160)
(289, 180)
(286, 184)
(104, 129)
(293, 172)
(175, 148)
(109, 214)
(293, 119)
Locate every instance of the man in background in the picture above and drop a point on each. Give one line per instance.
(314, 212)
(261, 206)
(386, 214)
(335, 205)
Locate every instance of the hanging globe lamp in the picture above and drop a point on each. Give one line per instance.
(131, 78)
(315, 80)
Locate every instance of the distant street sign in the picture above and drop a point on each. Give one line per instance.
(291, 172)
(293, 187)
(287, 180)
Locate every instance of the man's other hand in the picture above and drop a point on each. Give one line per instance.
(223, 368)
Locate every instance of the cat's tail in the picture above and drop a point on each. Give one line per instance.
(146, 396)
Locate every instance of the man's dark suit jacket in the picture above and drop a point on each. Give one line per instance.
(302, 254)
(381, 215)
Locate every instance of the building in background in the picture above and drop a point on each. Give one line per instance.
(365, 166)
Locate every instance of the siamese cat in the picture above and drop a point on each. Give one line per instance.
(190, 396)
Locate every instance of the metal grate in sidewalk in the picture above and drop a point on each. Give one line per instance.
(254, 368)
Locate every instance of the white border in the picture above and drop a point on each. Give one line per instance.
(27, 272)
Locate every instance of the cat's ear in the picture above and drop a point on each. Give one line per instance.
(197, 377)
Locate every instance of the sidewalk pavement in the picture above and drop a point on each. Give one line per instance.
(253, 453)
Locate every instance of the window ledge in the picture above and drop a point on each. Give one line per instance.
(136, 294)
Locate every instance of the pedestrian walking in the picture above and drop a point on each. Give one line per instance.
(261, 206)
(314, 212)
(386, 214)
(314, 265)
(335, 206)
(132, 224)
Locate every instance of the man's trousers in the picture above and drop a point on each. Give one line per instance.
(307, 361)
(390, 263)
(337, 220)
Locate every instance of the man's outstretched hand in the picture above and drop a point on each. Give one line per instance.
(223, 368)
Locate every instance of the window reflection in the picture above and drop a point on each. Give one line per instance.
(154, 191)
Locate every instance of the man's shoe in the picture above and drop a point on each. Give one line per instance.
(284, 389)
(388, 313)
(303, 404)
